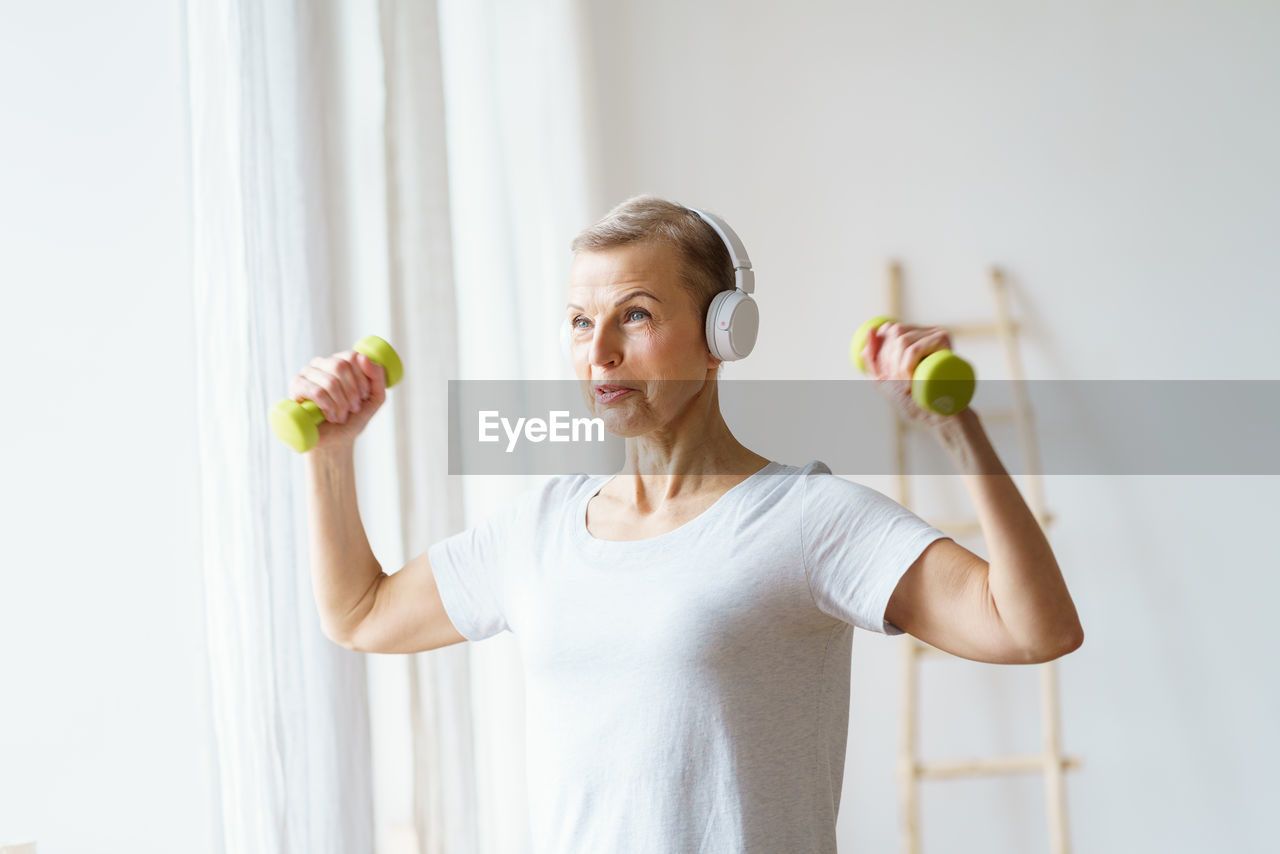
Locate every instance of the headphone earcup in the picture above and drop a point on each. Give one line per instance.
(733, 322)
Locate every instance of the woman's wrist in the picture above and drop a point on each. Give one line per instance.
(965, 441)
(338, 453)
(959, 429)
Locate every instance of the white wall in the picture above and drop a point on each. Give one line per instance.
(103, 722)
(1118, 160)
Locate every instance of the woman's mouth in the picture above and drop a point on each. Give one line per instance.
(607, 394)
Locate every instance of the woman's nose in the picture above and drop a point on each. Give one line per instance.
(604, 348)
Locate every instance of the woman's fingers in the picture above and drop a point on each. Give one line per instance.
(341, 385)
(371, 375)
(888, 348)
(904, 346)
(325, 390)
(343, 367)
(871, 351)
(934, 338)
(357, 361)
(892, 353)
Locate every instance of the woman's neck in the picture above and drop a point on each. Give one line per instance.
(697, 456)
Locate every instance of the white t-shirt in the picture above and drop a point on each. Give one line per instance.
(688, 692)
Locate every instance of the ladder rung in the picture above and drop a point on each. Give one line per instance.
(1032, 764)
(988, 416)
(981, 328)
(959, 527)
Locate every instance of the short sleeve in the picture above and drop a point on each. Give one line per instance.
(470, 567)
(858, 543)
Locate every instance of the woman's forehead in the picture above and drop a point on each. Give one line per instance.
(603, 272)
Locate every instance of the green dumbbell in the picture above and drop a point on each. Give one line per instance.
(942, 382)
(297, 423)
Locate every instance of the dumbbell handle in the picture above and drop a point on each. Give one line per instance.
(296, 422)
(942, 382)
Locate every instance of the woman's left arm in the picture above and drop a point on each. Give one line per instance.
(1014, 608)
(1026, 586)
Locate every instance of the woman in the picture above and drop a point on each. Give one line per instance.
(685, 624)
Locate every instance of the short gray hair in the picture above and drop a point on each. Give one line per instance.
(707, 268)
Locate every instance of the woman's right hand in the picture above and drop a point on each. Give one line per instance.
(348, 387)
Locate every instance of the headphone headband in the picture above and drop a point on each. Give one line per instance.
(743, 275)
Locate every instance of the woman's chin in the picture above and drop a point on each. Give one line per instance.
(623, 424)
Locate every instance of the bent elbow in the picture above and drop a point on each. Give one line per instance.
(1066, 645)
(342, 638)
(1075, 641)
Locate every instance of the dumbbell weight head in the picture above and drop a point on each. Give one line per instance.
(382, 353)
(297, 422)
(860, 340)
(942, 382)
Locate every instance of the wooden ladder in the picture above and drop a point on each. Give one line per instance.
(1050, 761)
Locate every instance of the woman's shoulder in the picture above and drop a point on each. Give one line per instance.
(781, 481)
(824, 492)
(821, 483)
(813, 469)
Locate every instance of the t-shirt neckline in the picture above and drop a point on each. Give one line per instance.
(595, 485)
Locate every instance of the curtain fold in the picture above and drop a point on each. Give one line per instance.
(424, 321)
(289, 710)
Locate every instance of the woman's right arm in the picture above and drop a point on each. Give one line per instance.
(345, 574)
(360, 606)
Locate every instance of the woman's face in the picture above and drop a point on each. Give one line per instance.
(633, 324)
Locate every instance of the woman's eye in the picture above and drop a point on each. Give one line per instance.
(639, 311)
(574, 322)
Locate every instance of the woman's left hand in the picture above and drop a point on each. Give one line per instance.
(891, 354)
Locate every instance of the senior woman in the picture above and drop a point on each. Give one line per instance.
(686, 623)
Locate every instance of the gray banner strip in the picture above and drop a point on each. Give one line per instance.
(1082, 427)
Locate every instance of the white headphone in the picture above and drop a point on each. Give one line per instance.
(733, 319)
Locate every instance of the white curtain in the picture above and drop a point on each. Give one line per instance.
(289, 708)
(322, 211)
